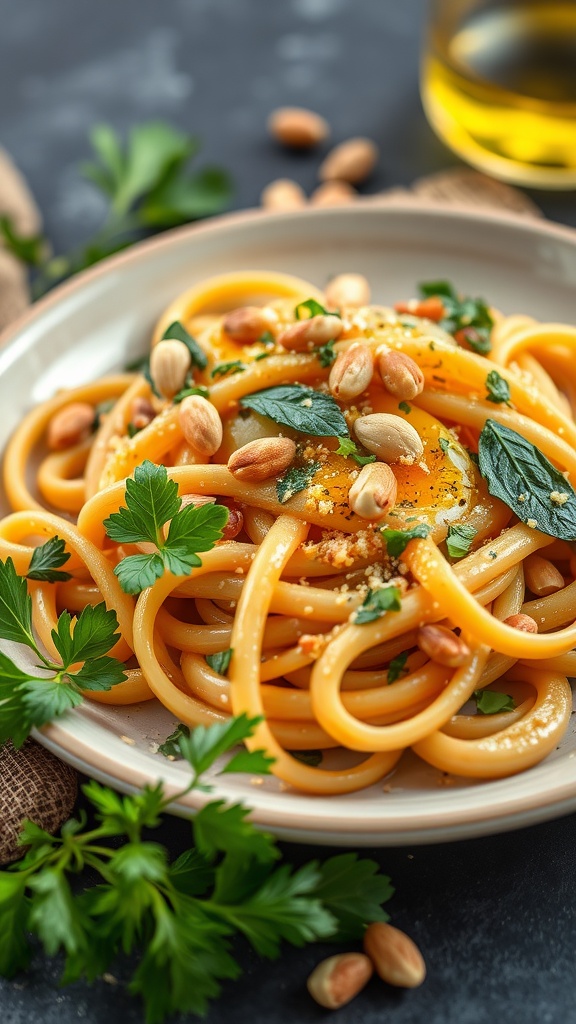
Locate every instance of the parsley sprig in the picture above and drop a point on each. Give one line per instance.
(152, 501)
(30, 699)
(46, 562)
(175, 919)
(147, 186)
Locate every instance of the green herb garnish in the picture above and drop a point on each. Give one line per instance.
(220, 661)
(148, 188)
(46, 561)
(459, 540)
(443, 444)
(171, 745)
(348, 448)
(227, 369)
(177, 331)
(293, 405)
(462, 314)
(398, 540)
(30, 699)
(404, 407)
(151, 501)
(489, 702)
(176, 920)
(311, 307)
(296, 479)
(397, 667)
(498, 389)
(377, 603)
(524, 479)
(186, 392)
(326, 354)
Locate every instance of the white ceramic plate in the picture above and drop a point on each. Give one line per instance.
(104, 318)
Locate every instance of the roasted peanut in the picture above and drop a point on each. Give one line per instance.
(247, 324)
(142, 413)
(389, 438)
(351, 374)
(351, 161)
(305, 335)
(442, 645)
(541, 576)
(373, 492)
(347, 290)
(401, 375)
(333, 193)
(235, 523)
(263, 458)
(72, 424)
(200, 424)
(335, 981)
(525, 623)
(169, 365)
(395, 955)
(297, 127)
(283, 194)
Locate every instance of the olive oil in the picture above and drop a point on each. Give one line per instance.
(499, 87)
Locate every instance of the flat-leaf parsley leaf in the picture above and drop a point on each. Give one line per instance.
(377, 603)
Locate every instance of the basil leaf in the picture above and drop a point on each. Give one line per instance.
(524, 479)
(220, 661)
(177, 331)
(296, 479)
(398, 540)
(489, 702)
(459, 540)
(397, 667)
(226, 369)
(377, 603)
(312, 307)
(301, 408)
(498, 389)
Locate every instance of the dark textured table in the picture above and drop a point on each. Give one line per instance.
(495, 917)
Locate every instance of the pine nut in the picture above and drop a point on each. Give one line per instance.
(248, 323)
(283, 194)
(263, 458)
(374, 491)
(351, 373)
(70, 425)
(541, 576)
(395, 955)
(169, 365)
(390, 438)
(306, 335)
(351, 161)
(347, 290)
(401, 375)
(298, 127)
(200, 424)
(335, 981)
(442, 645)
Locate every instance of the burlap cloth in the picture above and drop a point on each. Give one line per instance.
(33, 783)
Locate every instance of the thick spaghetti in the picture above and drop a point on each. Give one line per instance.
(328, 627)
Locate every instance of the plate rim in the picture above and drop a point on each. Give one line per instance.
(511, 812)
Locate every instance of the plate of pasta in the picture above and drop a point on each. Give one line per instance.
(293, 467)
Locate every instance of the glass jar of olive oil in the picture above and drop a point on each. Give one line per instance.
(499, 86)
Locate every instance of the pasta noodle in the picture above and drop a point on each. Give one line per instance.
(326, 630)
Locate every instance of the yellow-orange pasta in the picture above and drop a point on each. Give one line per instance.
(378, 586)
